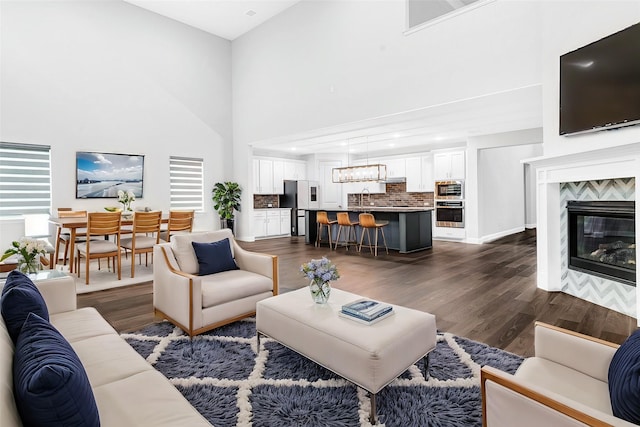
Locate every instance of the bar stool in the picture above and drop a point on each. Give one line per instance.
(344, 221)
(323, 221)
(367, 222)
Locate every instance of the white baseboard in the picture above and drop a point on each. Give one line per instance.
(496, 236)
(530, 226)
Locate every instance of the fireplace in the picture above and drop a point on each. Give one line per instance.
(602, 239)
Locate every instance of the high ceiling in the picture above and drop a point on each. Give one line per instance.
(228, 19)
(423, 129)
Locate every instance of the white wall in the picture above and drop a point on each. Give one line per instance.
(493, 163)
(322, 63)
(109, 76)
(502, 190)
(567, 26)
(284, 70)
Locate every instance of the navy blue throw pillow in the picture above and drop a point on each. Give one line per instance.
(214, 257)
(50, 384)
(19, 298)
(624, 380)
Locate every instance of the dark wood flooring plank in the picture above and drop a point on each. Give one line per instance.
(484, 292)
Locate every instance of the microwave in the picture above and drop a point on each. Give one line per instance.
(449, 190)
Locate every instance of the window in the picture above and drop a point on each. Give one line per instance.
(421, 13)
(186, 183)
(25, 179)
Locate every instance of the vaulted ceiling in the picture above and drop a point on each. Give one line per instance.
(423, 129)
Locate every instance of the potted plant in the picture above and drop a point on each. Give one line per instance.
(226, 200)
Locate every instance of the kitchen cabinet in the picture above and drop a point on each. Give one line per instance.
(259, 221)
(278, 177)
(268, 176)
(271, 222)
(396, 168)
(449, 165)
(295, 170)
(419, 171)
(285, 221)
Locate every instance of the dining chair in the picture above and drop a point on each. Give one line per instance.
(102, 225)
(146, 234)
(63, 237)
(179, 221)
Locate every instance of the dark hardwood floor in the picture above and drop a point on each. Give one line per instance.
(484, 292)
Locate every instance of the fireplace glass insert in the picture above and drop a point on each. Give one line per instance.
(602, 239)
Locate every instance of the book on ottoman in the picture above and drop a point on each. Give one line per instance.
(367, 310)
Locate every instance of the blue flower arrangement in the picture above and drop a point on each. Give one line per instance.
(320, 270)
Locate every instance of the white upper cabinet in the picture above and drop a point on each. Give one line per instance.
(278, 177)
(449, 165)
(396, 168)
(419, 174)
(295, 170)
(268, 176)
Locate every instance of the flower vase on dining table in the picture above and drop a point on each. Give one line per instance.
(320, 291)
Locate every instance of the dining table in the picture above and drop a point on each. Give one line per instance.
(73, 224)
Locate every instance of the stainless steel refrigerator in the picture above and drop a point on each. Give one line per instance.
(299, 196)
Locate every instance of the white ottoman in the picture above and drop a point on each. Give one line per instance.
(370, 356)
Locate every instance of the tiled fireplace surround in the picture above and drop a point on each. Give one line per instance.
(606, 174)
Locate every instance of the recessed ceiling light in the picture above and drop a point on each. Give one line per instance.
(397, 135)
(250, 12)
(293, 148)
(391, 145)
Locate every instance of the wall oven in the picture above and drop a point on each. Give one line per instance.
(450, 213)
(449, 190)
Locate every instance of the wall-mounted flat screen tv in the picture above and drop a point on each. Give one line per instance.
(600, 84)
(101, 175)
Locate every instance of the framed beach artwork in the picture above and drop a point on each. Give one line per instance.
(102, 175)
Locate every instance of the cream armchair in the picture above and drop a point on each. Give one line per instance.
(564, 384)
(196, 303)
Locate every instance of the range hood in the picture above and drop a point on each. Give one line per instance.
(395, 179)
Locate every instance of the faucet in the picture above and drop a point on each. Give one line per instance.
(365, 189)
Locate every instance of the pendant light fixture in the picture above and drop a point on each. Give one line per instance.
(367, 173)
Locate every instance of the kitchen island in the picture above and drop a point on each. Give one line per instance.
(409, 228)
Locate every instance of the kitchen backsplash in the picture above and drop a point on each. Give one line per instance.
(261, 201)
(396, 195)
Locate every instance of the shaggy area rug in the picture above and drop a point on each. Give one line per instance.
(231, 383)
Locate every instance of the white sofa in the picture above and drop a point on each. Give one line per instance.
(200, 303)
(564, 384)
(127, 390)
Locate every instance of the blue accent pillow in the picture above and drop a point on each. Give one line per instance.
(214, 257)
(19, 298)
(624, 380)
(50, 384)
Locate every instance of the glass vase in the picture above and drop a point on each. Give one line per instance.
(320, 291)
(28, 266)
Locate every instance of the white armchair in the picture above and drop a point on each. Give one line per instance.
(197, 304)
(564, 384)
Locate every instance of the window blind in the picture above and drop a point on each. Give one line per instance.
(25, 179)
(186, 183)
